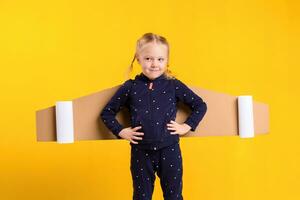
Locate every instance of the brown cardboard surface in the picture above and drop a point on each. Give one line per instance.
(221, 118)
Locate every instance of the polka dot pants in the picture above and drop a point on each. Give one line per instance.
(167, 162)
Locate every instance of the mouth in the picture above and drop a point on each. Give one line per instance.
(153, 70)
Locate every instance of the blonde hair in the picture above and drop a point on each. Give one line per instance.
(145, 39)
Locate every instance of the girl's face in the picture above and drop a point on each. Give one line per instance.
(153, 59)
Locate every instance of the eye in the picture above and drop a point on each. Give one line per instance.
(161, 59)
(147, 58)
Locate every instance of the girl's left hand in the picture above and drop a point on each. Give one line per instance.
(179, 129)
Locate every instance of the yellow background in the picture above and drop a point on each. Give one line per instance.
(61, 50)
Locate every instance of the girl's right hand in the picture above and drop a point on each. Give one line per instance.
(130, 134)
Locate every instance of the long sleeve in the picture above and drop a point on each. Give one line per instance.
(195, 103)
(109, 112)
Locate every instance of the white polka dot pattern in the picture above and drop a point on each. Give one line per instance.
(152, 107)
(166, 162)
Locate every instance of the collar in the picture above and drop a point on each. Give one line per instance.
(143, 77)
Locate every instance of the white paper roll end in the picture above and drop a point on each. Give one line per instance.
(64, 122)
(245, 116)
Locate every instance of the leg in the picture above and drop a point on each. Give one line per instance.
(170, 172)
(143, 174)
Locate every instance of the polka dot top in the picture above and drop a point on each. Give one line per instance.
(152, 105)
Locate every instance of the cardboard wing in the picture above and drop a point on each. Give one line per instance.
(221, 118)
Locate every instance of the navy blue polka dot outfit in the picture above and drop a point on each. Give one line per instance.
(152, 105)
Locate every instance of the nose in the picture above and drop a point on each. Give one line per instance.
(153, 63)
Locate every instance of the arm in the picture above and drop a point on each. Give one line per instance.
(195, 103)
(109, 112)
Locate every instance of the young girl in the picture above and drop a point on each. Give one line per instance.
(154, 134)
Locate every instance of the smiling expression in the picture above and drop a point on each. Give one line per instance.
(153, 58)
